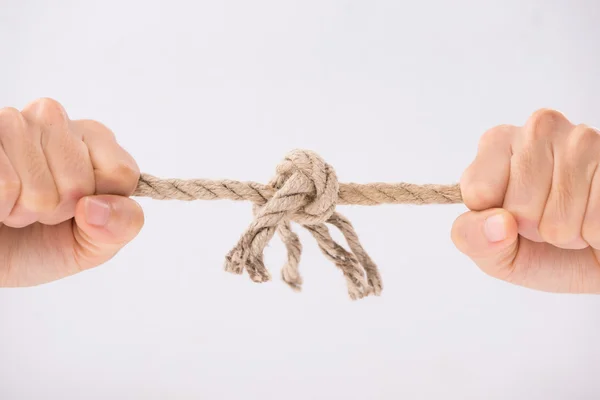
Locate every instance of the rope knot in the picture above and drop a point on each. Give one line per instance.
(306, 192)
(307, 188)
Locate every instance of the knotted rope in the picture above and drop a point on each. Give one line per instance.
(305, 190)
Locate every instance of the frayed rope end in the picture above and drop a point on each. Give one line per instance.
(305, 191)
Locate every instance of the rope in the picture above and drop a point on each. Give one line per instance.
(364, 194)
(305, 190)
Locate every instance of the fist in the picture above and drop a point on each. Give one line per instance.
(64, 187)
(533, 192)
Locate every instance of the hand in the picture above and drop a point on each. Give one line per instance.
(64, 187)
(534, 196)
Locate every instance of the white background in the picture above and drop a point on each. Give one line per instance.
(384, 91)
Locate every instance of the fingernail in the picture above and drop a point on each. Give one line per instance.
(494, 228)
(96, 212)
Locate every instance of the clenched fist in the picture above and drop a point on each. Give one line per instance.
(64, 188)
(534, 196)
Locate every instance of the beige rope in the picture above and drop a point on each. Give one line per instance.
(305, 190)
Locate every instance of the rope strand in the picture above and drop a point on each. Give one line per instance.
(306, 191)
(364, 194)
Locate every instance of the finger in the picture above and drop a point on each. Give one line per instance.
(10, 185)
(532, 169)
(590, 230)
(66, 155)
(484, 182)
(575, 163)
(104, 224)
(115, 170)
(489, 238)
(38, 194)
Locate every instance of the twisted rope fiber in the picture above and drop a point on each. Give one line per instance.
(305, 190)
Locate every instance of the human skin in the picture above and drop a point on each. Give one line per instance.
(532, 192)
(64, 195)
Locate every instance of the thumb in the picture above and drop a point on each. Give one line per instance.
(102, 226)
(490, 238)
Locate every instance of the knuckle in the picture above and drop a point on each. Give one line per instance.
(10, 187)
(46, 111)
(128, 169)
(10, 119)
(477, 194)
(40, 200)
(96, 128)
(128, 174)
(555, 234)
(496, 135)
(582, 139)
(546, 116)
(76, 191)
(556, 224)
(543, 122)
(79, 184)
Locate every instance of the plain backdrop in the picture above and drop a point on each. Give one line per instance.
(384, 91)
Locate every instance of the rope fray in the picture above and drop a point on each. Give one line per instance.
(305, 190)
